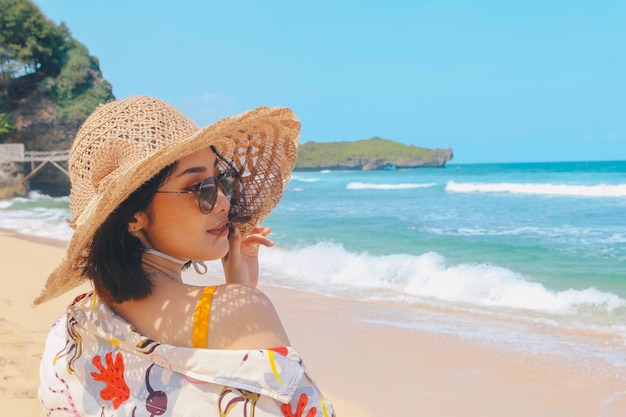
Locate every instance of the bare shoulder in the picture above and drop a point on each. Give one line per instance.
(243, 317)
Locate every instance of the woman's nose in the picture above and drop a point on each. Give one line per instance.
(222, 203)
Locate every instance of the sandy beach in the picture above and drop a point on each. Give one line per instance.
(366, 369)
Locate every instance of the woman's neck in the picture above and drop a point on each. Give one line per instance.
(158, 263)
(165, 256)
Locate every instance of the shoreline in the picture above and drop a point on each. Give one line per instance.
(434, 374)
(367, 369)
(42, 240)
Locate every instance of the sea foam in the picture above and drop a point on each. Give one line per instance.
(37, 215)
(328, 267)
(600, 190)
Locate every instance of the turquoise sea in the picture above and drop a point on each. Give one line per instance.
(530, 256)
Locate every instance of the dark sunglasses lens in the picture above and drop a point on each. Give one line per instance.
(228, 181)
(207, 195)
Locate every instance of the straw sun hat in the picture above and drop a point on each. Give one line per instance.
(125, 143)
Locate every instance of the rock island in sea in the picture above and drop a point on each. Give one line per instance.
(368, 154)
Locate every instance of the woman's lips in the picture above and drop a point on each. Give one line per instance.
(219, 230)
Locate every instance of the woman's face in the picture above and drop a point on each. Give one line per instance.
(174, 224)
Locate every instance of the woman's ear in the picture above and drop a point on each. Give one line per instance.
(139, 222)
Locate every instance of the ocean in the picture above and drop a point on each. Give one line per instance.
(527, 256)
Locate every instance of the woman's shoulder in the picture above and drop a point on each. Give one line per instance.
(243, 317)
(237, 316)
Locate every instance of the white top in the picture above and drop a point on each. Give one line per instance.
(96, 364)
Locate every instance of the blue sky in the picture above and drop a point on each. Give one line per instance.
(512, 81)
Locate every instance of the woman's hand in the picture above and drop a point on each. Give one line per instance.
(241, 263)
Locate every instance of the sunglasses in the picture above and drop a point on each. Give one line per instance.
(207, 190)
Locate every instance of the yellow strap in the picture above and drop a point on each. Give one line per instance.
(200, 332)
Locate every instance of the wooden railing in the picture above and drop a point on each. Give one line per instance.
(38, 156)
(14, 152)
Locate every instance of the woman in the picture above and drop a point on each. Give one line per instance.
(152, 195)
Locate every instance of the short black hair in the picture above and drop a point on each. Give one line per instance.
(114, 260)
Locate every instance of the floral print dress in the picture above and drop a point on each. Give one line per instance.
(96, 364)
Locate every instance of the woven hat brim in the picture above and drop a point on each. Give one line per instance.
(224, 135)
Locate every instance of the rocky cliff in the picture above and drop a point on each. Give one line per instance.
(49, 84)
(38, 124)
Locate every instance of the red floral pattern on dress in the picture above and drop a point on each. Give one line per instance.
(302, 402)
(116, 389)
(280, 350)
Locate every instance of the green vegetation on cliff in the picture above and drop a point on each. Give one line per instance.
(41, 60)
(49, 84)
(6, 126)
(374, 153)
(79, 87)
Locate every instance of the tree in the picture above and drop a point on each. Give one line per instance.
(29, 42)
(35, 53)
